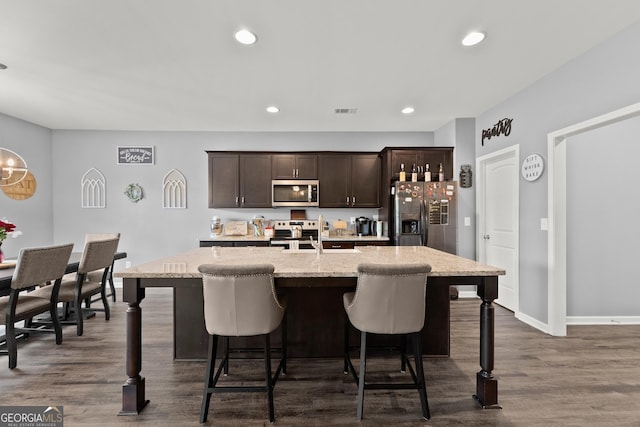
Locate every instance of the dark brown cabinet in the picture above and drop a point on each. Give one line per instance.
(349, 180)
(294, 166)
(232, 243)
(238, 180)
(420, 157)
(350, 244)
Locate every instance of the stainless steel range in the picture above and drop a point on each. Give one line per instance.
(284, 231)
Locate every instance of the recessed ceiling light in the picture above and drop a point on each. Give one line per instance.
(473, 38)
(245, 37)
(408, 110)
(272, 109)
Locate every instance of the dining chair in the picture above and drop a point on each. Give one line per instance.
(390, 300)
(97, 256)
(35, 266)
(95, 275)
(241, 301)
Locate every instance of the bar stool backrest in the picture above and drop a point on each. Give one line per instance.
(390, 299)
(240, 300)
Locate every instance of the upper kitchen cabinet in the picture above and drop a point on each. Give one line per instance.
(294, 166)
(349, 180)
(433, 156)
(237, 180)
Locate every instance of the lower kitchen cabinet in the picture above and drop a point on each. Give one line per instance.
(350, 244)
(231, 243)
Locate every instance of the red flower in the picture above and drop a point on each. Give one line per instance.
(5, 228)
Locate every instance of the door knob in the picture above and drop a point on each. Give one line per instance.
(486, 237)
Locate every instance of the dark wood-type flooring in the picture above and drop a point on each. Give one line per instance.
(590, 378)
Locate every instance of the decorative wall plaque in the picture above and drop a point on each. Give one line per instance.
(135, 155)
(93, 186)
(532, 167)
(23, 189)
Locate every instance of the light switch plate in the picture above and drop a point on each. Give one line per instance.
(467, 221)
(544, 224)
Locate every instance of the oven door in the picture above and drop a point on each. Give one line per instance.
(284, 243)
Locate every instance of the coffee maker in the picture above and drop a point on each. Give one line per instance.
(363, 226)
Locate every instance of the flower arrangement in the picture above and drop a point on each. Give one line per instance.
(6, 228)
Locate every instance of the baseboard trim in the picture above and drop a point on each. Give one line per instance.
(603, 320)
(534, 323)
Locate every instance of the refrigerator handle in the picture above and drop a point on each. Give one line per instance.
(425, 223)
(422, 224)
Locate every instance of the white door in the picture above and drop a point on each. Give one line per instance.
(498, 220)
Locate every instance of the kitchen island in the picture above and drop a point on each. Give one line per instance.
(316, 283)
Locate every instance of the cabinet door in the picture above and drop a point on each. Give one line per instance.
(307, 166)
(334, 173)
(283, 166)
(224, 189)
(294, 166)
(406, 157)
(365, 180)
(255, 186)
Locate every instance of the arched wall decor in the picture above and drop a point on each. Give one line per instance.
(93, 187)
(174, 190)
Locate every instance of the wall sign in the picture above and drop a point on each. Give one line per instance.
(135, 155)
(532, 167)
(503, 127)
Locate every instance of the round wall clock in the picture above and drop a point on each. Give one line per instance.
(532, 167)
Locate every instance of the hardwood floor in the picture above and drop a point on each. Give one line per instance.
(591, 377)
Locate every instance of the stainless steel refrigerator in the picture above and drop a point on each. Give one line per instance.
(424, 214)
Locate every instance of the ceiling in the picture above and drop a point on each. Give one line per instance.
(174, 65)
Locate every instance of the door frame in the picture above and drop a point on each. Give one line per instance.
(557, 212)
(512, 151)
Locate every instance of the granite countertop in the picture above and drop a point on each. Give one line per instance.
(331, 263)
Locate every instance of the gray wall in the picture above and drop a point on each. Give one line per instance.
(33, 216)
(603, 202)
(602, 80)
(148, 230)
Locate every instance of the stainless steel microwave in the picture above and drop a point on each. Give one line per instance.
(294, 192)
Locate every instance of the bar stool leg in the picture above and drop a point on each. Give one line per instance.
(363, 368)
(267, 369)
(422, 388)
(206, 398)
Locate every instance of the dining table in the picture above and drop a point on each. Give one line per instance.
(307, 275)
(8, 267)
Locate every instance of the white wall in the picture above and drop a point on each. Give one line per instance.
(602, 80)
(33, 216)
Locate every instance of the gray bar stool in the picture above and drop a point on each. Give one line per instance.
(241, 301)
(389, 299)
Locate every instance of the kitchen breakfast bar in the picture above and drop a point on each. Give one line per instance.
(313, 285)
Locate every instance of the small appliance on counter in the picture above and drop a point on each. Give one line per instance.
(216, 227)
(363, 226)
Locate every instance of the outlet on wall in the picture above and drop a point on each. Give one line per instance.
(127, 264)
(352, 220)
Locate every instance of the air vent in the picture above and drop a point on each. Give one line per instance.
(345, 110)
